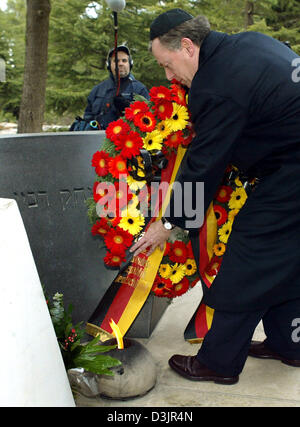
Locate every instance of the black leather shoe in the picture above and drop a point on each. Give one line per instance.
(190, 368)
(258, 349)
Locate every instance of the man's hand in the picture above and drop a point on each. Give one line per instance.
(156, 235)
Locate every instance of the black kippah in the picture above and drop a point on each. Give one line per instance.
(168, 20)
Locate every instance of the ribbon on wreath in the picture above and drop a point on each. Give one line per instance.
(233, 181)
(129, 291)
(202, 319)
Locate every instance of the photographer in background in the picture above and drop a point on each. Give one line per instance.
(108, 99)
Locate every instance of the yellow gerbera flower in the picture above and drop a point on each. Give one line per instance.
(133, 184)
(232, 214)
(132, 204)
(179, 118)
(165, 270)
(153, 141)
(130, 211)
(178, 271)
(132, 221)
(190, 267)
(164, 128)
(238, 182)
(237, 198)
(219, 249)
(224, 232)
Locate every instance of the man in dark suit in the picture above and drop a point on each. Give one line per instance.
(244, 101)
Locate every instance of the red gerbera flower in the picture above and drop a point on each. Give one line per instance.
(166, 151)
(118, 240)
(159, 92)
(109, 213)
(181, 287)
(114, 260)
(100, 227)
(118, 166)
(102, 192)
(117, 128)
(221, 214)
(162, 287)
(178, 94)
(100, 163)
(123, 194)
(189, 248)
(105, 196)
(129, 144)
(117, 197)
(223, 193)
(144, 194)
(113, 220)
(229, 169)
(188, 135)
(163, 109)
(175, 82)
(167, 248)
(145, 121)
(178, 252)
(174, 139)
(213, 266)
(136, 108)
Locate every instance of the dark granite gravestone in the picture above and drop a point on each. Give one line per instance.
(50, 176)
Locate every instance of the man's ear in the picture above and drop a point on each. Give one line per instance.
(188, 45)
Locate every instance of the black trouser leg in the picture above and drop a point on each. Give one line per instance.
(225, 346)
(282, 329)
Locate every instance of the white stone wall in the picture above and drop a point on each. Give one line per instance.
(31, 367)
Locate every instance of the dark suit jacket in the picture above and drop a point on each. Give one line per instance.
(245, 106)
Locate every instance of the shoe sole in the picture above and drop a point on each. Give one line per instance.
(285, 361)
(217, 380)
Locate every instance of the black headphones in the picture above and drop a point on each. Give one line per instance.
(121, 48)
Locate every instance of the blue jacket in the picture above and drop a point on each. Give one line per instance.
(100, 101)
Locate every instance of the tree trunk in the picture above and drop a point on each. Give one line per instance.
(35, 71)
(249, 10)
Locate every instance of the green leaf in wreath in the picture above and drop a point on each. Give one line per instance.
(99, 364)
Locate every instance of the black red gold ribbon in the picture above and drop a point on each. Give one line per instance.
(127, 294)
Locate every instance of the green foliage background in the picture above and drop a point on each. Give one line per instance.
(82, 32)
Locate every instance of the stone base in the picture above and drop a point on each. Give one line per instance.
(148, 317)
(135, 377)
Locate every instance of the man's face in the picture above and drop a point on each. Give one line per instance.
(123, 64)
(178, 64)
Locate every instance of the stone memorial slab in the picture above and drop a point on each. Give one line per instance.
(50, 176)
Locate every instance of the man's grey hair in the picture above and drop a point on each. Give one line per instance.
(195, 29)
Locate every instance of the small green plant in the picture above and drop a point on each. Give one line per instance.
(75, 353)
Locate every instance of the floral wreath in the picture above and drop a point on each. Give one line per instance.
(228, 201)
(154, 128)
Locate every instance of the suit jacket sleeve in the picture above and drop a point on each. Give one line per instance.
(218, 123)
